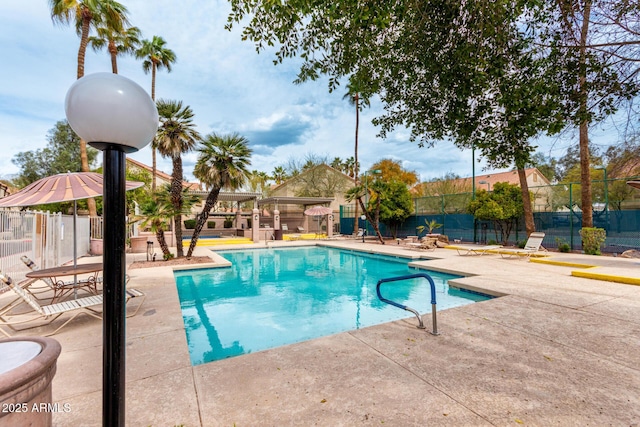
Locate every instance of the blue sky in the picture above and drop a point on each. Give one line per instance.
(228, 85)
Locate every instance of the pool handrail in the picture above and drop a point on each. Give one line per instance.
(404, 307)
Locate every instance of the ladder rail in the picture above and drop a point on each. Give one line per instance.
(404, 307)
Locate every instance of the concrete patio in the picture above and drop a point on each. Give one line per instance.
(555, 349)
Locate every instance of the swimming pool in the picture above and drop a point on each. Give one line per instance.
(272, 297)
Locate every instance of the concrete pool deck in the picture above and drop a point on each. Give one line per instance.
(556, 349)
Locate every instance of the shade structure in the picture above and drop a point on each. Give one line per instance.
(63, 187)
(318, 210)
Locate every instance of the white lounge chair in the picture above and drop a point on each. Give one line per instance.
(474, 249)
(533, 245)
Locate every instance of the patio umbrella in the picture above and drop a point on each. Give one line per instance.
(63, 187)
(634, 184)
(318, 211)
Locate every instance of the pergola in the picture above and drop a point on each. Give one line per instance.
(291, 200)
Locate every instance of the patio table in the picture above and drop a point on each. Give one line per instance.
(61, 287)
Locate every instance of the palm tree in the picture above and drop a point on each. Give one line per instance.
(353, 95)
(156, 56)
(86, 14)
(117, 40)
(222, 163)
(279, 174)
(176, 135)
(153, 214)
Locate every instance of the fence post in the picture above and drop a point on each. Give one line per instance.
(571, 214)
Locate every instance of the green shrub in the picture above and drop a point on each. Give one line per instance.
(189, 224)
(211, 224)
(168, 256)
(492, 242)
(592, 240)
(563, 246)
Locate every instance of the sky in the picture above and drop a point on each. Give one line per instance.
(229, 87)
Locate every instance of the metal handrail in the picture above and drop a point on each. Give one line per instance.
(404, 307)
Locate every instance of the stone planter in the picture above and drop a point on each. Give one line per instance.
(95, 247)
(27, 368)
(139, 244)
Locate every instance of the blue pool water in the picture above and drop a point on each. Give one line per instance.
(273, 297)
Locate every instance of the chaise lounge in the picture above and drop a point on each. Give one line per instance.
(533, 245)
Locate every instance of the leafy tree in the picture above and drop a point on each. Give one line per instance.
(391, 170)
(448, 194)
(61, 155)
(156, 57)
(502, 206)
(87, 14)
(546, 165)
(176, 135)
(594, 47)
(117, 40)
(396, 204)
(222, 163)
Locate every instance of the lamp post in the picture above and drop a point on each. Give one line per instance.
(117, 116)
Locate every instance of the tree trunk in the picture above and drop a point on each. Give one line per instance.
(373, 221)
(176, 201)
(113, 52)
(355, 167)
(585, 162)
(162, 241)
(202, 219)
(153, 146)
(86, 21)
(529, 224)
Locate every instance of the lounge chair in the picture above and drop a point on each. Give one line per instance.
(474, 249)
(300, 229)
(284, 227)
(51, 312)
(533, 245)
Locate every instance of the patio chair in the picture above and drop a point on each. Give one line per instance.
(533, 245)
(300, 229)
(465, 250)
(284, 227)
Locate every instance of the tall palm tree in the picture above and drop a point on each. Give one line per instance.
(156, 57)
(176, 135)
(279, 174)
(222, 163)
(353, 95)
(117, 41)
(86, 14)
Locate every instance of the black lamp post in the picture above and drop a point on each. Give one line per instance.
(117, 116)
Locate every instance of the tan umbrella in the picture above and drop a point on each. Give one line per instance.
(318, 211)
(64, 187)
